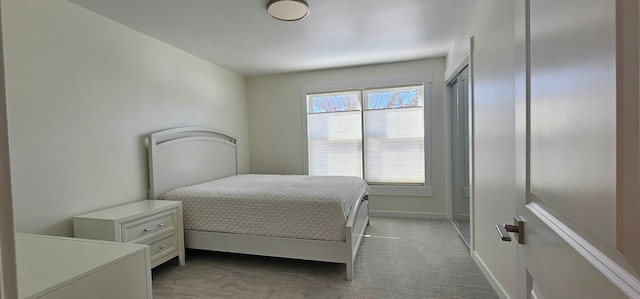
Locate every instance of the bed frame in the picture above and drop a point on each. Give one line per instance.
(191, 155)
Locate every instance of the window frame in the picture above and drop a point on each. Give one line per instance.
(378, 83)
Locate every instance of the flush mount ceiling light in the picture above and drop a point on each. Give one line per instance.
(288, 10)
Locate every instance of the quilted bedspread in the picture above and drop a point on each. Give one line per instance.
(288, 206)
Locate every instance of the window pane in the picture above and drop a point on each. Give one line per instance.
(394, 146)
(335, 143)
(334, 102)
(393, 98)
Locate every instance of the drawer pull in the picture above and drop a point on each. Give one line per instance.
(161, 247)
(153, 228)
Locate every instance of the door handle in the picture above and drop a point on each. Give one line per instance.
(517, 228)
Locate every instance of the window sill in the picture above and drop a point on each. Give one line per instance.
(401, 190)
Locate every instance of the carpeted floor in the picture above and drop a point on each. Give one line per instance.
(402, 258)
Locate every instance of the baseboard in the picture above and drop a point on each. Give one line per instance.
(489, 276)
(402, 214)
(465, 217)
(460, 234)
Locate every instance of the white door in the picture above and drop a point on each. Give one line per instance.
(571, 151)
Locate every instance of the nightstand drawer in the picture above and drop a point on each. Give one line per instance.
(162, 246)
(149, 227)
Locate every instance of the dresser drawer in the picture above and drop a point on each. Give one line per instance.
(149, 227)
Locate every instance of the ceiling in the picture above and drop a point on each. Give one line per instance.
(240, 36)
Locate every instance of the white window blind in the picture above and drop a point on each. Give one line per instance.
(334, 134)
(394, 136)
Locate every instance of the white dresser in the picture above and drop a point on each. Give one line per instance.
(157, 223)
(56, 267)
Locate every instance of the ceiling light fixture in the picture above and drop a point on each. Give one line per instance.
(288, 10)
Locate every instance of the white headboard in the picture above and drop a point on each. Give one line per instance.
(185, 156)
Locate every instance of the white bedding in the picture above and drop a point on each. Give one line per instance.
(288, 206)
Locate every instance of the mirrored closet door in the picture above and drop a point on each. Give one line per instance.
(459, 109)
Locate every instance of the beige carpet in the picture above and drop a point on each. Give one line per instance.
(403, 258)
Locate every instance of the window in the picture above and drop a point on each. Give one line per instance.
(375, 133)
(335, 134)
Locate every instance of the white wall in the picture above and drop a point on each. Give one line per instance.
(82, 93)
(492, 27)
(276, 124)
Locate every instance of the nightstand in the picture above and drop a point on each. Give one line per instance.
(157, 223)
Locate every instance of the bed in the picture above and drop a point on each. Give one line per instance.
(321, 219)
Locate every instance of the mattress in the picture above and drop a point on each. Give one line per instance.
(287, 206)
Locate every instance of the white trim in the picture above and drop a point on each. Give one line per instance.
(400, 190)
(448, 169)
(472, 147)
(489, 276)
(619, 276)
(457, 227)
(535, 292)
(428, 182)
(466, 217)
(410, 215)
(465, 62)
(365, 83)
(305, 132)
